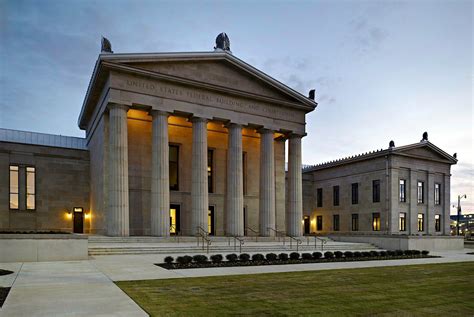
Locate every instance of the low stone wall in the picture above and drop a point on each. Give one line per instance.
(399, 242)
(42, 247)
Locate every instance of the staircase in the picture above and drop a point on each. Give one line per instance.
(102, 245)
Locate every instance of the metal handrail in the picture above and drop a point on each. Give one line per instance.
(254, 231)
(298, 242)
(316, 238)
(241, 242)
(278, 234)
(176, 232)
(203, 234)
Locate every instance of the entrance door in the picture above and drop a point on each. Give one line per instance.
(78, 220)
(306, 225)
(210, 221)
(174, 219)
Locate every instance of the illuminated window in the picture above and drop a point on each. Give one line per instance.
(30, 188)
(437, 194)
(173, 220)
(14, 187)
(376, 221)
(421, 222)
(438, 223)
(319, 223)
(421, 192)
(335, 224)
(355, 193)
(173, 166)
(402, 221)
(319, 197)
(403, 191)
(335, 195)
(210, 220)
(210, 171)
(355, 222)
(376, 191)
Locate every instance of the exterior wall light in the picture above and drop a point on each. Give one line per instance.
(68, 214)
(87, 215)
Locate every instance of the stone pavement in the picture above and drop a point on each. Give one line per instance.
(80, 288)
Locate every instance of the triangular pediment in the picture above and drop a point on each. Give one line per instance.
(425, 150)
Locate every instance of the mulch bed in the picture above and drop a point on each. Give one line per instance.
(194, 265)
(3, 294)
(5, 272)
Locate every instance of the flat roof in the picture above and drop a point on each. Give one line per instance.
(35, 138)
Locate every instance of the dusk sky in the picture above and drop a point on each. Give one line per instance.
(382, 70)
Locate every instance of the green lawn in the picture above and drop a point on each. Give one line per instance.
(415, 290)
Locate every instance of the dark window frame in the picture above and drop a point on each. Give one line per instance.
(355, 222)
(355, 193)
(437, 222)
(178, 147)
(319, 197)
(335, 195)
(17, 186)
(402, 190)
(437, 194)
(420, 222)
(210, 173)
(376, 191)
(376, 221)
(420, 200)
(336, 225)
(319, 223)
(26, 188)
(402, 224)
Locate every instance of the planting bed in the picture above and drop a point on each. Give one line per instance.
(217, 260)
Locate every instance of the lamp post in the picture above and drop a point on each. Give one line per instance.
(459, 212)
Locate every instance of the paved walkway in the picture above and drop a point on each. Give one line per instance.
(80, 288)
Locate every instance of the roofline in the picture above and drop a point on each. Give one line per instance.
(378, 153)
(171, 56)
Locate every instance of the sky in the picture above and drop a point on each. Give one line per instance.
(382, 70)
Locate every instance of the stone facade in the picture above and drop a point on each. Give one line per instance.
(419, 162)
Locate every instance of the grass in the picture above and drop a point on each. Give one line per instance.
(414, 290)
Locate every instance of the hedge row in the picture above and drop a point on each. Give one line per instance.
(271, 257)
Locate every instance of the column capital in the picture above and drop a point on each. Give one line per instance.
(265, 131)
(198, 119)
(232, 124)
(293, 135)
(111, 105)
(155, 113)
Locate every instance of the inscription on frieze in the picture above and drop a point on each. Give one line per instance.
(184, 93)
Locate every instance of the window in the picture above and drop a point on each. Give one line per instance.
(355, 193)
(335, 195)
(437, 194)
(355, 222)
(210, 170)
(403, 191)
(421, 192)
(335, 224)
(421, 222)
(173, 165)
(319, 197)
(14, 187)
(376, 221)
(319, 223)
(376, 191)
(437, 223)
(30, 188)
(402, 221)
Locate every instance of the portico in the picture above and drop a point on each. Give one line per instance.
(196, 130)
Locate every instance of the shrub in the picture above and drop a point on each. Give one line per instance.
(217, 258)
(200, 258)
(271, 257)
(348, 254)
(317, 255)
(294, 255)
(306, 256)
(338, 254)
(169, 260)
(425, 252)
(357, 254)
(283, 257)
(328, 255)
(244, 257)
(366, 254)
(391, 253)
(398, 252)
(258, 257)
(383, 253)
(231, 257)
(408, 252)
(186, 259)
(416, 252)
(374, 253)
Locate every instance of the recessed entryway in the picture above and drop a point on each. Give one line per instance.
(78, 220)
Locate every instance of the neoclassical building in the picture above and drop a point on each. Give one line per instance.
(175, 143)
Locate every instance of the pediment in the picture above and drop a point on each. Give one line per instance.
(428, 151)
(217, 73)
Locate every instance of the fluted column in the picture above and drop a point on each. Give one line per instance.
(118, 213)
(199, 190)
(267, 183)
(235, 188)
(295, 187)
(160, 184)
